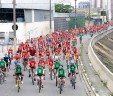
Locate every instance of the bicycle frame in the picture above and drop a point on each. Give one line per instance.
(18, 82)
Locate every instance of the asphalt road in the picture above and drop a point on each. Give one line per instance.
(27, 89)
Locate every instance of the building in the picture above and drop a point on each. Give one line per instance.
(32, 16)
(84, 5)
(112, 9)
(103, 5)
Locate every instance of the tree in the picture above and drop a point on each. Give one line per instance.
(61, 8)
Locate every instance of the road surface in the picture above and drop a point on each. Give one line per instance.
(27, 89)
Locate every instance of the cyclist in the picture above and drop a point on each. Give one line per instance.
(7, 64)
(25, 59)
(80, 38)
(67, 56)
(10, 54)
(64, 51)
(32, 52)
(61, 73)
(76, 56)
(40, 51)
(74, 42)
(72, 69)
(47, 53)
(32, 65)
(56, 66)
(17, 62)
(10, 51)
(50, 63)
(18, 72)
(39, 73)
(3, 67)
(17, 57)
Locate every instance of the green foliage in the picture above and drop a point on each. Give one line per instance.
(103, 13)
(61, 8)
(104, 83)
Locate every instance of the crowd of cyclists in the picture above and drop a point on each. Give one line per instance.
(47, 53)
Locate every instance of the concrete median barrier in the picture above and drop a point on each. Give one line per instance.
(104, 73)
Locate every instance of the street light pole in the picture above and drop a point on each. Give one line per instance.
(14, 24)
(89, 13)
(75, 13)
(50, 18)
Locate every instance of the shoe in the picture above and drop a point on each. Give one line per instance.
(42, 86)
(34, 79)
(29, 75)
(21, 82)
(4, 79)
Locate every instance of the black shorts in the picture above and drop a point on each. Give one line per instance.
(72, 72)
(25, 59)
(7, 64)
(40, 54)
(56, 68)
(40, 75)
(61, 77)
(3, 69)
(18, 74)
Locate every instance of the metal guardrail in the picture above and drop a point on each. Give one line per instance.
(90, 90)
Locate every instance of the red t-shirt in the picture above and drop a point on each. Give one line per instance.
(28, 49)
(40, 51)
(10, 51)
(32, 63)
(76, 56)
(23, 53)
(64, 48)
(42, 63)
(75, 49)
(17, 57)
(20, 48)
(50, 62)
(25, 56)
(47, 53)
(33, 52)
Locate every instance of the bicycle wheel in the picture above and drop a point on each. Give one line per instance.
(61, 88)
(51, 74)
(32, 80)
(0, 79)
(40, 86)
(32, 77)
(18, 85)
(73, 82)
(56, 81)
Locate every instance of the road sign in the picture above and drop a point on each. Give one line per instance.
(16, 27)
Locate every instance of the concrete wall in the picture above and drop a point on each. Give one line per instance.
(7, 27)
(37, 28)
(100, 68)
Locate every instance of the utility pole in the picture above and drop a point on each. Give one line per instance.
(75, 13)
(89, 13)
(14, 24)
(50, 17)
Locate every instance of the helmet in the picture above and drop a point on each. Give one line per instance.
(72, 62)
